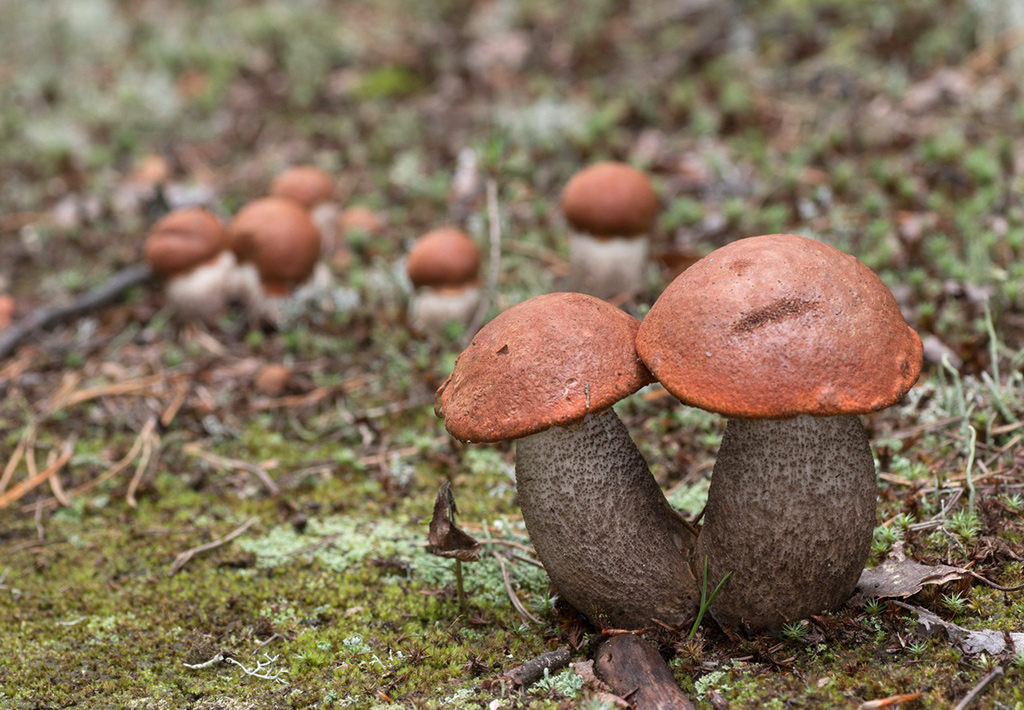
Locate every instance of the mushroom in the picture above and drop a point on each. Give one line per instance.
(612, 207)
(277, 245)
(791, 339)
(189, 249)
(314, 189)
(443, 266)
(354, 228)
(547, 372)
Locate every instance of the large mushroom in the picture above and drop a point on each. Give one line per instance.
(547, 372)
(444, 269)
(791, 339)
(611, 208)
(277, 246)
(189, 249)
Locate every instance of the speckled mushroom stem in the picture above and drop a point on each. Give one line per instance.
(607, 267)
(612, 545)
(790, 513)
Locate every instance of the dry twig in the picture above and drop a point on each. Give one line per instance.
(183, 559)
(223, 463)
(18, 491)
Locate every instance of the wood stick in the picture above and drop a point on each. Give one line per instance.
(100, 296)
(18, 491)
(182, 559)
(494, 261)
(977, 690)
(635, 670)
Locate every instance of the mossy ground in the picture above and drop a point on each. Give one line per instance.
(889, 129)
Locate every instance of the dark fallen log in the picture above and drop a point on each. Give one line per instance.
(105, 293)
(635, 670)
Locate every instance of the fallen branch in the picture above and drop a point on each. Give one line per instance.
(977, 690)
(183, 559)
(533, 670)
(635, 670)
(100, 296)
(222, 463)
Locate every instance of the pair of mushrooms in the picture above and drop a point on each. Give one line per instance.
(791, 339)
(268, 249)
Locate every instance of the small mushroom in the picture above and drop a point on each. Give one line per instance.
(277, 246)
(443, 266)
(792, 339)
(612, 207)
(314, 189)
(189, 249)
(547, 372)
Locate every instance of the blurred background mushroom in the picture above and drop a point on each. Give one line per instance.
(190, 250)
(444, 269)
(611, 208)
(277, 246)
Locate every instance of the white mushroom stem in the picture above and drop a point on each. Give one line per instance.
(790, 513)
(607, 267)
(203, 293)
(610, 542)
(430, 310)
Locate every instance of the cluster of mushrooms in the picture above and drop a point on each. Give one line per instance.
(791, 339)
(277, 245)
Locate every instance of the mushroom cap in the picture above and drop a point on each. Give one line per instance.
(610, 199)
(548, 361)
(306, 184)
(184, 239)
(359, 218)
(444, 257)
(279, 238)
(777, 326)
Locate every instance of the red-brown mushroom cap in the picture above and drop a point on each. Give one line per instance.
(443, 257)
(777, 326)
(183, 240)
(609, 200)
(359, 219)
(279, 238)
(306, 184)
(548, 361)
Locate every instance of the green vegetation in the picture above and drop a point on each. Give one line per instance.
(890, 129)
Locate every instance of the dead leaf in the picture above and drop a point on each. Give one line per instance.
(970, 642)
(445, 538)
(900, 577)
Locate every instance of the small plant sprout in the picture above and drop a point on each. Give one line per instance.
(918, 648)
(874, 607)
(885, 537)
(966, 524)
(903, 521)
(794, 631)
(1014, 503)
(955, 603)
(1018, 661)
(705, 600)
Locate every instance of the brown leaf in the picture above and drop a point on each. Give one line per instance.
(900, 577)
(445, 538)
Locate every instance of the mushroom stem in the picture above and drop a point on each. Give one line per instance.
(790, 513)
(607, 267)
(612, 545)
